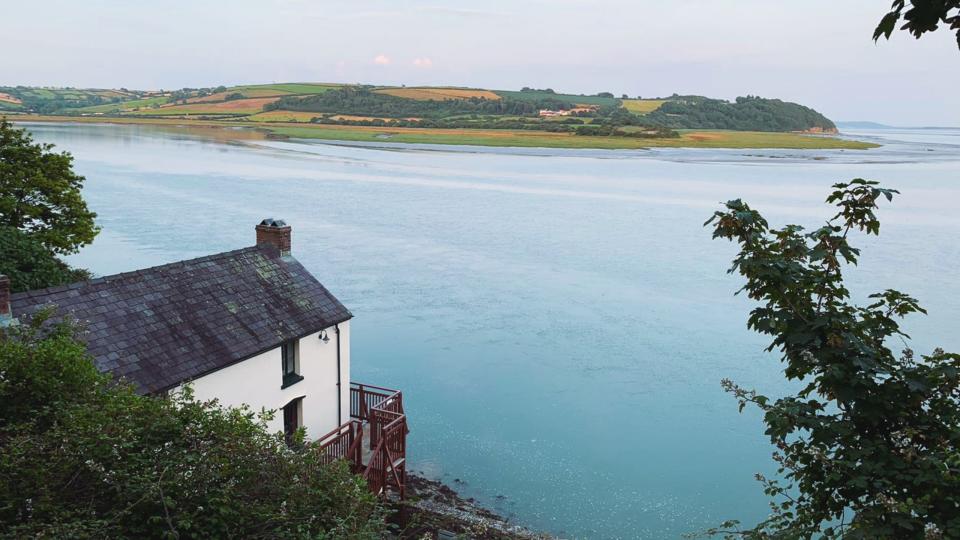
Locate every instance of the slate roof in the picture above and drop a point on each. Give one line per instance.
(161, 326)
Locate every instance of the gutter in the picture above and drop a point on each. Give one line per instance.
(336, 328)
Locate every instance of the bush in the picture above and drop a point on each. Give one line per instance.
(869, 446)
(84, 456)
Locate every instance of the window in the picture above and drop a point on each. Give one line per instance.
(291, 363)
(292, 418)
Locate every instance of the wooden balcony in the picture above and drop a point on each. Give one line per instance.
(376, 415)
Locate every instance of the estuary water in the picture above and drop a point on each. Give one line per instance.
(559, 321)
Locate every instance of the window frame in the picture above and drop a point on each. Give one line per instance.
(290, 363)
(292, 410)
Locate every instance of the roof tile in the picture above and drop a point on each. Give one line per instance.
(226, 307)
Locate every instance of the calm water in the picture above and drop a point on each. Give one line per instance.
(559, 321)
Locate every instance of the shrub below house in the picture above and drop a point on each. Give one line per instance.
(83, 456)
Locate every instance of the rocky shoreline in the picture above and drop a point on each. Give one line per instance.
(433, 508)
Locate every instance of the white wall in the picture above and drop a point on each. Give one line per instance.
(257, 381)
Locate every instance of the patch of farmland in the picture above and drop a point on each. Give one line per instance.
(111, 94)
(41, 93)
(642, 106)
(219, 96)
(572, 98)
(368, 118)
(245, 92)
(258, 92)
(287, 88)
(232, 107)
(283, 116)
(438, 94)
(7, 98)
(125, 105)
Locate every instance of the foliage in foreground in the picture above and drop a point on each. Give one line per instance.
(870, 447)
(29, 265)
(920, 17)
(40, 193)
(81, 457)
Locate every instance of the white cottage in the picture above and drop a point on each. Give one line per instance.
(250, 326)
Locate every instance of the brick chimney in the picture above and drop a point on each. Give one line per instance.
(276, 232)
(5, 313)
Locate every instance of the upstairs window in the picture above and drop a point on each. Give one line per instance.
(291, 363)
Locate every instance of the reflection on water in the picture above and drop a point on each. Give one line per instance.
(558, 320)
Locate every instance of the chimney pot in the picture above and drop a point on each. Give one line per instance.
(276, 232)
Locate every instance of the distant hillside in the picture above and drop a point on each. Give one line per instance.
(745, 114)
(546, 110)
(862, 124)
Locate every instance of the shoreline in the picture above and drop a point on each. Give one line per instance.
(432, 506)
(248, 130)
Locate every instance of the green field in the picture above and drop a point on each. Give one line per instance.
(125, 105)
(287, 88)
(282, 116)
(254, 92)
(642, 106)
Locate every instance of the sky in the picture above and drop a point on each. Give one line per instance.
(815, 52)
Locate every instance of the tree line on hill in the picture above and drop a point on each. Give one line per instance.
(748, 113)
(364, 101)
(479, 113)
(43, 101)
(600, 126)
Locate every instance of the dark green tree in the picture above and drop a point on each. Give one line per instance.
(82, 456)
(30, 265)
(40, 193)
(920, 17)
(870, 446)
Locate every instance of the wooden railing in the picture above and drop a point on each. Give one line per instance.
(381, 411)
(344, 442)
(387, 467)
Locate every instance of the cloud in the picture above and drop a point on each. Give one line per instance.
(381, 59)
(423, 62)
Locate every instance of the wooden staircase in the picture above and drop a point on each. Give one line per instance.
(376, 414)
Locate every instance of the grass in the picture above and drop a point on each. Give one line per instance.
(437, 93)
(283, 116)
(111, 93)
(245, 92)
(526, 138)
(123, 106)
(287, 88)
(642, 106)
(257, 92)
(485, 137)
(232, 107)
(42, 93)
